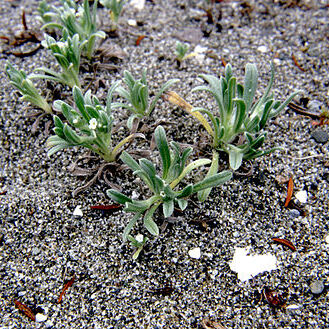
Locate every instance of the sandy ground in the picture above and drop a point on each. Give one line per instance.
(42, 245)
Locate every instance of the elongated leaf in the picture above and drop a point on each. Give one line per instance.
(250, 84)
(165, 86)
(136, 206)
(168, 208)
(203, 195)
(163, 147)
(235, 159)
(213, 181)
(182, 203)
(129, 161)
(130, 226)
(187, 191)
(149, 223)
(118, 196)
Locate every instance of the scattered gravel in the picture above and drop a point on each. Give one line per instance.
(42, 244)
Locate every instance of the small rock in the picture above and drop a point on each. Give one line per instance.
(293, 307)
(262, 49)
(293, 213)
(301, 196)
(190, 34)
(77, 211)
(316, 287)
(320, 136)
(132, 22)
(138, 4)
(314, 106)
(40, 317)
(35, 251)
(195, 253)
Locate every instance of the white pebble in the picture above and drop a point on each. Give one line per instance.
(138, 4)
(301, 196)
(262, 49)
(77, 211)
(195, 253)
(293, 307)
(132, 22)
(40, 317)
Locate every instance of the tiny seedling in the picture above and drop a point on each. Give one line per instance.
(138, 243)
(21, 81)
(89, 126)
(138, 96)
(67, 53)
(181, 52)
(115, 7)
(73, 19)
(164, 186)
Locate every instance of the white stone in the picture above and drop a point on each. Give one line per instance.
(138, 4)
(262, 49)
(77, 211)
(132, 22)
(249, 266)
(293, 307)
(40, 317)
(195, 253)
(301, 196)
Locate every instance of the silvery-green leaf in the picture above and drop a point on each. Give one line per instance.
(117, 196)
(250, 84)
(163, 147)
(149, 223)
(168, 208)
(182, 203)
(129, 161)
(235, 159)
(130, 225)
(213, 181)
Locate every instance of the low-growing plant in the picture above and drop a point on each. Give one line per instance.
(67, 52)
(74, 19)
(138, 243)
(164, 186)
(20, 80)
(90, 126)
(181, 52)
(138, 95)
(240, 115)
(239, 128)
(115, 7)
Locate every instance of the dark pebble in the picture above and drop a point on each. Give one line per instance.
(320, 136)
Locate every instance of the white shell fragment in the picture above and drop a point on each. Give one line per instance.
(195, 253)
(249, 266)
(262, 49)
(138, 4)
(77, 211)
(293, 307)
(40, 317)
(301, 196)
